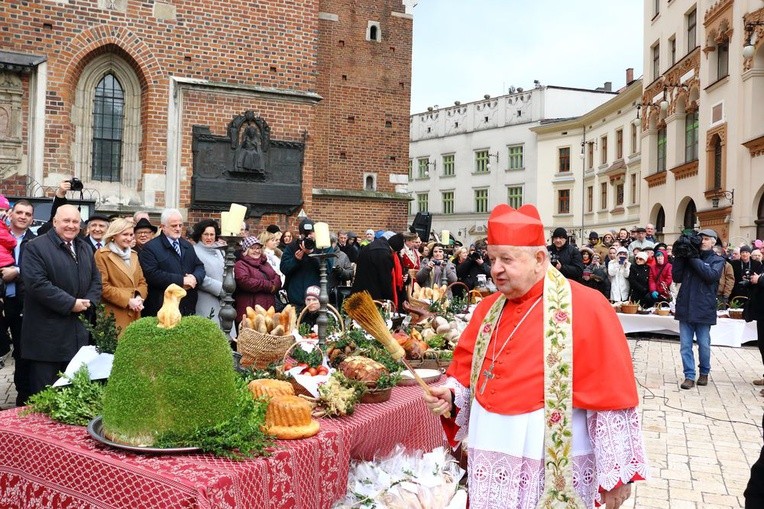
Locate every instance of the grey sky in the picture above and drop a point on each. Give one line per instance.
(464, 49)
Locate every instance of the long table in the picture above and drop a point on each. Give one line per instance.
(726, 332)
(46, 464)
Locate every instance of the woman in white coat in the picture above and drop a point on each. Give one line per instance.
(205, 237)
(618, 272)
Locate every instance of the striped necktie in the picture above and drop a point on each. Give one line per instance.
(71, 249)
(176, 245)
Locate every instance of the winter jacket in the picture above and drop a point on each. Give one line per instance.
(638, 282)
(210, 289)
(571, 263)
(255, 283)
(726, 282)
(300, 273)
(660, 280)
(619, 280)
(696, 301)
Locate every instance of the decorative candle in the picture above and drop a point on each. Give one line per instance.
(225, 224)
(323, 240)
(445, 237)
(239, 212)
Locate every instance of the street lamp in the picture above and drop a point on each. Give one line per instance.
(749, 49)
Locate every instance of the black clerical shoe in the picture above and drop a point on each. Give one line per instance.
(687, 384)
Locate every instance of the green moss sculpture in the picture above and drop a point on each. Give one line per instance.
(169, 381)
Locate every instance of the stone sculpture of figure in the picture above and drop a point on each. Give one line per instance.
(249, 157)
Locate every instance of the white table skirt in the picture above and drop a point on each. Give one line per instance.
(726, 332)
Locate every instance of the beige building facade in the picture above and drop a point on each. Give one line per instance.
(590, 167)
(702, 117)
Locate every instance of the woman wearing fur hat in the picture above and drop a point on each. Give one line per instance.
(639, 275)
(618, 272)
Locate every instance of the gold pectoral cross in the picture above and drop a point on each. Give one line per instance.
(488, 374)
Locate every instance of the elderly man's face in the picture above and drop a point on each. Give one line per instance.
(650, 229)
(96, 228)
(174, 227)
(342, 238)
(142, 236)
(707, 243)
(515, 270)
(67, 222)
(369, 236)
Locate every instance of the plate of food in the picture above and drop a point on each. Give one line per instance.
(95, 430)
(428, 375)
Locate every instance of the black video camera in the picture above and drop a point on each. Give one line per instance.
(687, 246)
(553, 258)
(76, 183)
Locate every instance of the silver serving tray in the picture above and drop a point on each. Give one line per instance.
(95, 429)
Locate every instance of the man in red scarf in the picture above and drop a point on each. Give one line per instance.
(541, 384)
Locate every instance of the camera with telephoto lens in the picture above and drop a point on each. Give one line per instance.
(475, 256)
(746, 278)
(436, 262)
(687, 245)
(309, 243)
(76, 183)
(553, 258)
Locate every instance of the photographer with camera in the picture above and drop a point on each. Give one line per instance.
(618, 271)
(698, 269)
(564, 257)
(744, 268)
(476, 263)
(434, 268)
(299, 269)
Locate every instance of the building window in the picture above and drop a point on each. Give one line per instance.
(423, 164)
(633, 188)
(619, 144)
(108, 117)
(481, 201)
(633, 139)
(603, 195)
(423, 202)
(481, 161)
(590, 155)
(603, 150)
(656, 59)
(672, 51)
(373, 31)
(563, 201)
(691, 136)
(564, 164)
(692, 20)
(722, 60)
(661, 150)
(515, 196)
(411, 169)
(619, 194)
(589, 198)
(448, 202)
(515, 153)
(448, 165)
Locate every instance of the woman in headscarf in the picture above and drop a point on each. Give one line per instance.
(256, 281)
(124, 286)
(207, 248)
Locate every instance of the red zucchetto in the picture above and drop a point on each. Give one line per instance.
(515, 227)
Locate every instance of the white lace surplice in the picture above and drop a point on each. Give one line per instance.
(506, 453)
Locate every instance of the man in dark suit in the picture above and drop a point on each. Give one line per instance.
(168, 259)
(61, 282)
(96, 228)
(21, 216)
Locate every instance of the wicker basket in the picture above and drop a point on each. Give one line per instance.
(298, 389)
(663, 308)
(737, 312)
(329, 309)
(629, 308)
(430, 360)
(258, 350)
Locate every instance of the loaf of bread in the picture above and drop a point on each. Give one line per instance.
(289, 417)
(270, 387)
(362, 369)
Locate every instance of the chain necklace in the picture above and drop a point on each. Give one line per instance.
(488, 373)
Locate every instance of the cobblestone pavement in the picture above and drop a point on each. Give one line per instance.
(700, 443)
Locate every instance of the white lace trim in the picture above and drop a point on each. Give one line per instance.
(462, 402)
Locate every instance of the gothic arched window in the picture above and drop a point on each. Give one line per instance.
(108, 121)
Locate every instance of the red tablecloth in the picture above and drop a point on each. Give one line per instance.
(49, 465)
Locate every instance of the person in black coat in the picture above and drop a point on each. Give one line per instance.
(639, 281)
(754, 310)
(743, 269)
(374, 270)
(60, 284)
(162, 266)
(564, 257)
(476, 263)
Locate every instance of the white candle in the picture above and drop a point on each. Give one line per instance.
(225, 223)
(445, 237)
(323, 239)
(238, 213)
